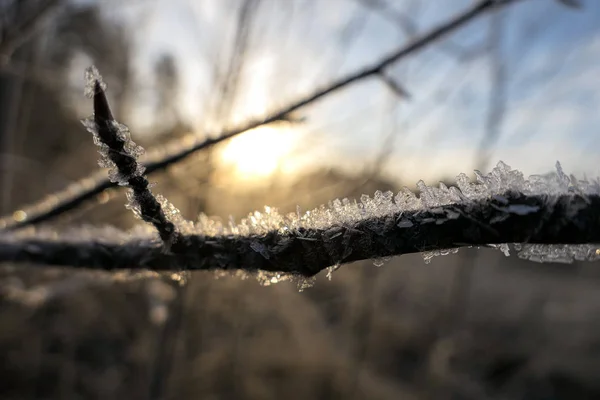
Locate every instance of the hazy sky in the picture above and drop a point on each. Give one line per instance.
(551, 56)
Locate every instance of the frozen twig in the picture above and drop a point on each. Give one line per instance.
(88, 188)
(572, 219)
(394, 86)
(119, 153)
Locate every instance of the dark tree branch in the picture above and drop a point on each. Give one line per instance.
(394, 86)
(120, 153)
(61, 202)
(14, 36)
(409, 28)
(565, 219)
(571, 3)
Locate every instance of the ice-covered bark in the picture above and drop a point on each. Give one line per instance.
(553, 218)
(119, 154)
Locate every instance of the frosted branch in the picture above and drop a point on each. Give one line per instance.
(119, 153)
(552, 218)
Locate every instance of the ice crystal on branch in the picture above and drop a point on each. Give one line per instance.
(558, 253)
(93, 81)
(555, 216)
(119, 154)
(495, 185)
(408, 210)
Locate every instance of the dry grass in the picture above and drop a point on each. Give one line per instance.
(524, 332)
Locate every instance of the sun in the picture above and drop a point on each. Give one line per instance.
(259, 152)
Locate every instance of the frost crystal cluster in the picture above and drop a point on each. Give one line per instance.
(496, 184)
(93, 83)
(347, 212)
(130, 147)
(273, 247)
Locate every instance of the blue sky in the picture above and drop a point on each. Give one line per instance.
(551, 53)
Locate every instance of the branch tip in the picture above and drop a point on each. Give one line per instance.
(119, 153)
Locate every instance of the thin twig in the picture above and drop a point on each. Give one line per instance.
(394, 86)
(66, 200)
(120, 153)
(409, 28)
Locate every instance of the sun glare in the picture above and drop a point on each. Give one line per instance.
(259, 152)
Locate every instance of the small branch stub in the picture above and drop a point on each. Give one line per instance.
(119, 153)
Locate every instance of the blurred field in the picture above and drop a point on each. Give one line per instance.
(399, 331)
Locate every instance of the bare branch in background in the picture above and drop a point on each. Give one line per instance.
(409, 28)
(13, 35)
(571, 3)
(347, 36)
(394, 86)
(73, 196)
(404, 22)
(229, 78)
(498, 90)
